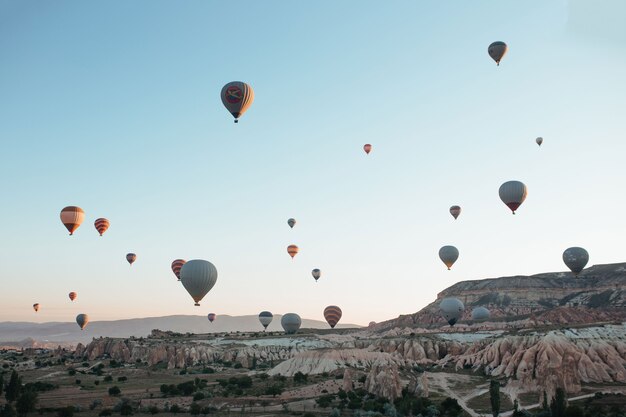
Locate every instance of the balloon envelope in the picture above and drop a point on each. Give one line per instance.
(291, 222)
(576, 259)
(211, 317)
(237, 97)
(292, 250)
(72, 217)
(539, 141)
(198, 277)
(131, 257)
(265, 317)
(316, 274)
(72, 295)
(332, 314)
(451, 310)
(497, 50)
(177, 264)
(291, 323)
(82, 320)
(455, 211)
(513, 194)
(36, 307)
(101, 225)
(480, 313)
(367, 148)
(448, 255)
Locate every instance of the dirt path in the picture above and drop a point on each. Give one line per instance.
(441, 381)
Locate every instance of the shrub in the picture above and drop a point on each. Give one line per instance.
(66, 411)
(175, 409)
(115, 390)
(300, 378)
(122, 378)
(153, 409)
(77, 382)
(106, 412)
(195, 409)
(108, 378)
(198, 396)
(71, 372)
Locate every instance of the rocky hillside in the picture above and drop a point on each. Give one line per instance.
(596, 295)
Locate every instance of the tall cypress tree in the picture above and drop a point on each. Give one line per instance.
(494, 394)
(559, 403)
(1, 383)
(13, 388)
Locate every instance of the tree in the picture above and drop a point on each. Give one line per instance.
(300, 378)
(494, 396)
(14, 387)
(115, 390)
(195, 409)
(544, 403)
(26, 402)
(1, 383)
(558, 403)
(8, 411)
(66, 411)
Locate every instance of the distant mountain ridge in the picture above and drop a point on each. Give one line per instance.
(597, 294)
(69, 332)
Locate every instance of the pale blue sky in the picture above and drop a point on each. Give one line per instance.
(114, 106)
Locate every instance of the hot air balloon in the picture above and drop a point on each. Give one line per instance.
(211, 317)
(101, 225)
(291, 323)
(455, 211)
(451, 310)
(575, 258)
(176, 265)
(316, 274)
(332, 314)
(72, 217)
(131, 257)
(36, 307)
(480, 313)
(497, 50)
(198, 277)
(291, 222)
(237, 98)
(539, 141)
(513, 194)
(82, 320)
(292, 250)
(265, 317)
(367, 148)
(73, 296)
(449, 255)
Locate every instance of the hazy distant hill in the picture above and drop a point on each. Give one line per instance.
(596, 295)
(69, 332)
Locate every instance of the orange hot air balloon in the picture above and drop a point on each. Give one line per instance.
(73, 296)
(101, 225)
(367, 148)
(177, 264)
(292, 250)
(36, 307)
(455, 211)
(72, 217)
(131, 257)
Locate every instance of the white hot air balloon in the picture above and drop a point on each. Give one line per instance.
(513, 194)
(198, 277)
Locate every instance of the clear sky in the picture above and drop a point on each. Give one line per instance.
(114, 106)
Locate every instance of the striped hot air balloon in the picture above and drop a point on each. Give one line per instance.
(332, 314)
(211, 317)
(36, 307)
(513, 194)
(237, 97)
(291, 222)
(82, 320)
(177, 264)
(455, 211)
(367, 148)
(72, 296)
(131, 257)
(292, 250)
(101, 225)
(265, 317)
(72, 217)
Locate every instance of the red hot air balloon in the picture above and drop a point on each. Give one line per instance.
(367, 148)
(72, 296)
(332, 314)
(101, 225)
(292, 250)
(131, 257)
(72, 217)
(177, 264)
(211, 317)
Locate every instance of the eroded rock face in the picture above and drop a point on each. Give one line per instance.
(383, 380)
